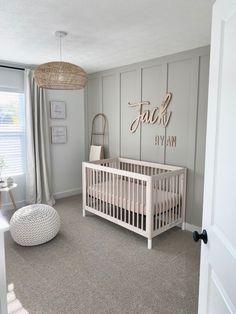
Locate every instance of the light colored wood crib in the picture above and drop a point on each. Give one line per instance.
(147, 198)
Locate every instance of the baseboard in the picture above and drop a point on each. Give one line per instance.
(192, 228)
(67, 193)
(9, 206)
(19, 204)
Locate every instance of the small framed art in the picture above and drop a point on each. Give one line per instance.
(57, 109)
(59, 134)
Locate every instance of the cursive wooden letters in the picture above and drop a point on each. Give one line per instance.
(158, 115)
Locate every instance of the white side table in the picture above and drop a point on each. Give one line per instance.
(8, 189)
(3, 284)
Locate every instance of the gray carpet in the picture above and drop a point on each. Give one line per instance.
(94, 266)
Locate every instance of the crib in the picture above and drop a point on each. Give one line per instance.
(144, 197)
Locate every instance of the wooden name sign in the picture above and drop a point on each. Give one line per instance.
(158, 115)
(162, 140)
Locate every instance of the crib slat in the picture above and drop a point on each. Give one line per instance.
(98, 178)
(142, 204)
(105, 193)
(127, 203)
(170, 201)
(159, 201)
(166, 209)
(156, 203)
(102, 191)
(98, 190)
(172, 198)
(180, 205)
(166, 201)
(137, 204)
(133, 204)
(159, 205)
(175, 199)
(88, 186)
(91, 178)
(92, 188)
(85, 181)
(113, 195)
(117, 195)
(95, 189)
(121, 197)
(162, 202)
(178, 197)
(109, 194)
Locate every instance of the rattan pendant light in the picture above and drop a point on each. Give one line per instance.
(60, 74)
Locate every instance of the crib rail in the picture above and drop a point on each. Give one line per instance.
(130, 163)
(137, 166)
(109, 162)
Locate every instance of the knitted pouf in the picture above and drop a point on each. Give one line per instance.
(34, 224)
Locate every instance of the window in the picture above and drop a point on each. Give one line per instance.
(12, 132)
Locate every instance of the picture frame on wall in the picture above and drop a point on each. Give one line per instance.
(59, 134)
(57, 109)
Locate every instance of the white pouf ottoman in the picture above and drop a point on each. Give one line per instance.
(34, 224)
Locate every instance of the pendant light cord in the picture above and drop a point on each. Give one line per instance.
(60, 49)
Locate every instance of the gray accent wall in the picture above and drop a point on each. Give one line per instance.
(185, 75)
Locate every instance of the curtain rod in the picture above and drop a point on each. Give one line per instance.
(10, 67)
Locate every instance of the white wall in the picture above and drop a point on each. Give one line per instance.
(67, 158)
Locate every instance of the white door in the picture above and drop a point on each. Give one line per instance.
(217, 292)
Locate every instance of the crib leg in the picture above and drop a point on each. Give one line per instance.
(84, 212)
(183, 227)
(149, 244)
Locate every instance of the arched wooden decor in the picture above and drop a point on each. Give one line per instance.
(102, 133)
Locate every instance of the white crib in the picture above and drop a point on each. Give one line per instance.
(147, 198)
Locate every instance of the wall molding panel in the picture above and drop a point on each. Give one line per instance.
(185, 75)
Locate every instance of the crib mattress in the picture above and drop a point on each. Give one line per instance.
(132, 196)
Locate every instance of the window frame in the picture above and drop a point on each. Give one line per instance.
(21, 133)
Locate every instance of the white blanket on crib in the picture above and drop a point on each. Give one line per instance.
(132, 196)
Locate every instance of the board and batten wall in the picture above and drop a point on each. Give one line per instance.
(185, 75)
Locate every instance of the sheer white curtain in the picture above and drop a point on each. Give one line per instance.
(38, 161)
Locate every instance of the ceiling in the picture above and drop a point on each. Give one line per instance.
(102, 34)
